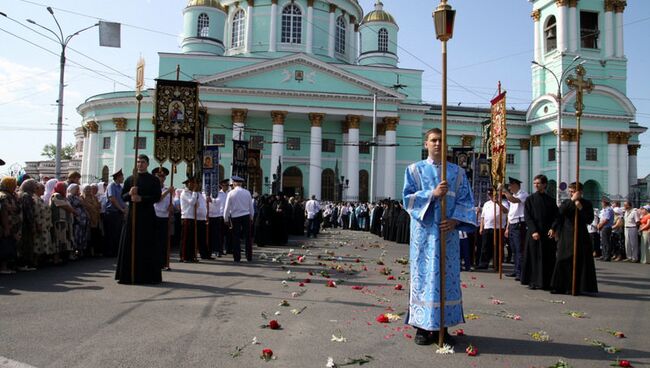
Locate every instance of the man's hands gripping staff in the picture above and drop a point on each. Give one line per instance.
(441, 190)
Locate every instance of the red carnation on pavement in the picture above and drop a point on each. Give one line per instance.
(391, 277)
(459, 332)
(357, 260)
(331, 283)
(471, 351)
(267, 354)
(307, 280)
(622, 363)
(382, 318)
(302, 284)
(357, 287)
(398, 287)
(310, 273)
(620, 335)
(274, 325)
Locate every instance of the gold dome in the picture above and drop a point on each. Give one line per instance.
(208, 3)
(378, 15)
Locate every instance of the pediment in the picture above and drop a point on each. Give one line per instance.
(299, 72)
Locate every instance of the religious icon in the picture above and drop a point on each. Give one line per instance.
(207, 162)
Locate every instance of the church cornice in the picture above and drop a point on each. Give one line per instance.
(296, 94)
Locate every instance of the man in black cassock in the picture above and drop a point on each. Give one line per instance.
(562, 279)
(281, 220)
(141, 198)
(540, 212)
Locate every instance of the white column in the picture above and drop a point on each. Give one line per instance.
(537, 50)
(249, 27)
(273, 34)
(277, 138)
(391, 157)
(573, 29)
(619, 33)
(612, 161)
(332, 31)
(524, 144)
(93, 160)
(564, 153)
(380, 166)
(119, 144)
(351, 36)
(238, 123)
(561, 28)
(344, 156)
(84, 160)
(609, 34)
(310, 28)
(353, 157)
(315, 149)
(632, 169)
(536, 161)
(623, 180)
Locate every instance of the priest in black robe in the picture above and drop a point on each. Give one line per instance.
(263, 227)
(141, 198)
(540, 212)
(562, 280)
(281, 220)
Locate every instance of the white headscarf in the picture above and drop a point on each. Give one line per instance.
(49, 189)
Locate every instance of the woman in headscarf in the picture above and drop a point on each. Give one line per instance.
(10, 223)
(93, 208)
(62, 220)
(43, 246)
(26, 245)
(49, 190)
(80, 224)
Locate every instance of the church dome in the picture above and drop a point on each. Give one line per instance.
(207, 3)
(378, 15)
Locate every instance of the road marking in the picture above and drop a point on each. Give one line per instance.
(8, 363)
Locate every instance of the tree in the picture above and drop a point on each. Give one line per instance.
(67, 151)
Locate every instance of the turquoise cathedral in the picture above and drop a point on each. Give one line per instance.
(299, 79)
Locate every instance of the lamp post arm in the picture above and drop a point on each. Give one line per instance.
(57, 24)
(67, 39)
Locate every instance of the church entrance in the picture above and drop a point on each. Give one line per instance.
(255, 172)
(363, 186)
(592, 192)
(328, 185)
(292, 182)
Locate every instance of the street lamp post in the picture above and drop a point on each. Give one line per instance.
(63, 41)
(558, 101)
(443, 19)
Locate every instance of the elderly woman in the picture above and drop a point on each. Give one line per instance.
(93, 208)
(10, 223)
(26, 245)
(62, 220)
(43, 246)
(80, 223)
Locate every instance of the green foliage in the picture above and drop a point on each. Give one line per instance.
(67, 151)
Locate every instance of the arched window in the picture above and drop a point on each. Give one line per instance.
(291, 24)
(238, 23)
(340, 35)
(550, 34)
(383, 40)
(203, 26)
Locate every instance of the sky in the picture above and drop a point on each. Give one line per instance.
(493, 41)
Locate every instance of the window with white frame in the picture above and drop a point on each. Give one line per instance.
(203, 26)
(291, 24)
(550, 34)
(383, 40)
(340, 35)
(238, 23)
(510, 158)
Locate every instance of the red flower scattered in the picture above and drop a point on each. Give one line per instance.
(310, 273)
(267, 354)
(357, 260)
(482, 286)
(357, 287)
(398, 287)
(307, 280)
(331, 283)
(274, 325)
(459, 332)
(619, 334)
(382, 318)
(365, 268)
(302, 284)
(391, 277)
(463, 286)
(301, 259)
(408, 336)
(473, 277)
(471, 351)
(624, 363)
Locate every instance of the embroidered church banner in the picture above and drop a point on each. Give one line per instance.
(178, 129)
(211, 169)
(240, 159)
(498, 135)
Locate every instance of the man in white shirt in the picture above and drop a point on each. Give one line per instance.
(163, 210)
(516, 228)
(216, 226)
(312, 207)
(632, 218)
(193, 214)
(488, 225)
(238, 213)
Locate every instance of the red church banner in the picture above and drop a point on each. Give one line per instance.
(498, 135)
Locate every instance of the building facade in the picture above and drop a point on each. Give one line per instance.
(299, 80)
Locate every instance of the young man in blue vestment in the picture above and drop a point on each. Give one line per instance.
(423, 190)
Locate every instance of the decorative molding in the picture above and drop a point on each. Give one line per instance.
(381, 129)
(92, 126)
(316, 119)
(620, 6)
(120, 124)
(524, 144)
(618, 137)
(560, 3)
(632, 149)
(535, 140)
(278, 117)
(536, 15)
(467, 140)
(610, 5)
(310, 3)
(332, 8)
(391, 123)
(239, 116)
(295, 94)
(573, 3)
(624, 138)
(251, 2)
(353, 121)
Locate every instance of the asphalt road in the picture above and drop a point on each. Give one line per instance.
(208, 314)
